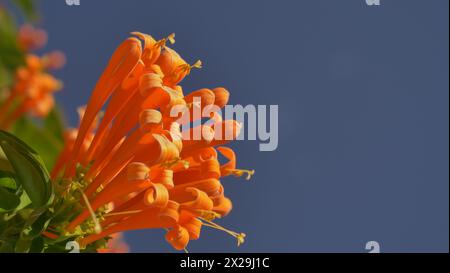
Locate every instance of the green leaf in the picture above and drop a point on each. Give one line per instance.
(40, 224)
(7, 180)
(8, 200)
(37, 246)
(9, 194)
(19, 145)
(4, 163)
(54, 124)
(24, 201)
(7, 246)
(29, 174)
(23, 245)
(34, 225)
(47, 141)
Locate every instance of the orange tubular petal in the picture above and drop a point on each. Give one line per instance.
(146, 219)
(124, 155)
(129, 181)
(108, 195)
(149, 120)
(152, 48)
(143, 220)
(101, 161)
(168, 152)
(229, 154)
(148, 82)
(191, 224)
(173, 67)
(129, 117)
(200, 200)
(221, 96)
(203, 154)
(204, 132)
(210, 169)
(187, 176)
(178, 237)
(60, 161)
(132, 81)
(136, 204)
(203, 96)
(156, 196)
(120, 65)
(222, 205)
(164, 177)
(170, 213)
(209, 186)
(118, 101)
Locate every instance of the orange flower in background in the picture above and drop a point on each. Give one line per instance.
(115, 245)
(31, 38)
(133, 168)
(33, 87)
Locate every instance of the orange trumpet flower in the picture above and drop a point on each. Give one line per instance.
(135, 170)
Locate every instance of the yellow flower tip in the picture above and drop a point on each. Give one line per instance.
(250, 174)
(162, 43)
(97, 226)
(185, 164)
(197, 64)
(208, 215)
(240, 238)
(240, 172)
(171, 38)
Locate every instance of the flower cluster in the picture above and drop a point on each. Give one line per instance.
(33, 87)
(129, 161)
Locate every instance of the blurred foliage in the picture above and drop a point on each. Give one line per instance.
(45, 138)
(11, 56)
(28, 7)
